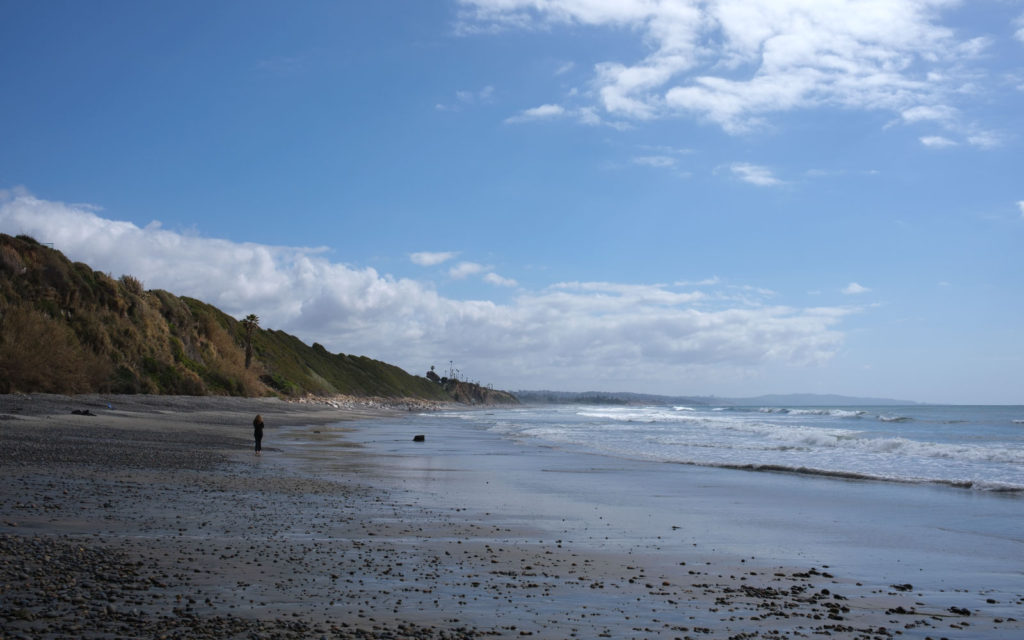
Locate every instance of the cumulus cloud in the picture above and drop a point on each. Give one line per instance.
(736, 62)
(429, 258)
(754, 174)
(595, 332)
(853, 289)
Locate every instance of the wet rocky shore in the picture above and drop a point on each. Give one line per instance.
(91, 514)
(152, 518)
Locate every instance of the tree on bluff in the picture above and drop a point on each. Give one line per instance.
(251, 322)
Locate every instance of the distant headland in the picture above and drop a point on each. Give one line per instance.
(774, 400)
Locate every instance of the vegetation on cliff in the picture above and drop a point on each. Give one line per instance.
(469, 392)
(65, 328)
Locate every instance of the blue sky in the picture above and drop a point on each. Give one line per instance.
(715, 197)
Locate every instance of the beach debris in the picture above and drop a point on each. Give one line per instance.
(900, 611)
(419, 438)
(902, 587)
(82, 412)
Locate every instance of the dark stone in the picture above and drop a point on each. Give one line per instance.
(419, 438)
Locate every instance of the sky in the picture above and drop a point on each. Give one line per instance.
(714, 197)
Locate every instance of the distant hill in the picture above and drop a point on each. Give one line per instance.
(814, 400)
(626, 398)
(603, 397)
(65, 328)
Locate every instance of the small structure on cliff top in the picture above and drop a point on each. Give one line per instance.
(469, 392)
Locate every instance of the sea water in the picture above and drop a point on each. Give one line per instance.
(926, 494)
(923, 494)
(974, 447)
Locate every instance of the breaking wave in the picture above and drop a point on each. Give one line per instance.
(932, 446)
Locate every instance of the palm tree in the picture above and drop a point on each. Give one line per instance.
(251, 323)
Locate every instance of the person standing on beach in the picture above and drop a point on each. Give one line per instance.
(257, 432)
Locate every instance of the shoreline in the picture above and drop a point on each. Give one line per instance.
(156, 519)
(54, 406)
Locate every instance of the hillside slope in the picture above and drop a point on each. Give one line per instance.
(65, 328)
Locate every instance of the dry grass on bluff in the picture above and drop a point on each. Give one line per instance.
(66, 328)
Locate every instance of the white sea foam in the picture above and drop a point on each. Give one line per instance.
(638, 415)
(892, 418)
(837, 413)
(932, 446)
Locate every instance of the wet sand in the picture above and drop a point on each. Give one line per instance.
(153, 518)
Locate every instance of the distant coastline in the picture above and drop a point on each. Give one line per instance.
(771, 400)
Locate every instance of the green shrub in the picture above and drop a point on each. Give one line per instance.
(41, 354)
(131, 285)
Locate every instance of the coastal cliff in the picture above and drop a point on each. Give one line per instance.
(472, 393)
(66, 328)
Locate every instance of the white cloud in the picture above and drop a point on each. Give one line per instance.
(940, 113)
(466, 269)
(429, 258)
(664, 150)
(937, 142)
(985, 139)
(853, 289)
(706, 282)
(564, 68)
(582, 115)
(600, 333)
(1019, 34)
(1020, 205)
(754, 174)
(635, 293)
(543, 112)
(500, 281)
(472, 97)
(661, 162)
(465, 98)
(735, 62)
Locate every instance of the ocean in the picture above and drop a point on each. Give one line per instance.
(928, 495)
(972, 447)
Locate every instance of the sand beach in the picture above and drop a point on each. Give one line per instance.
(150, 517)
